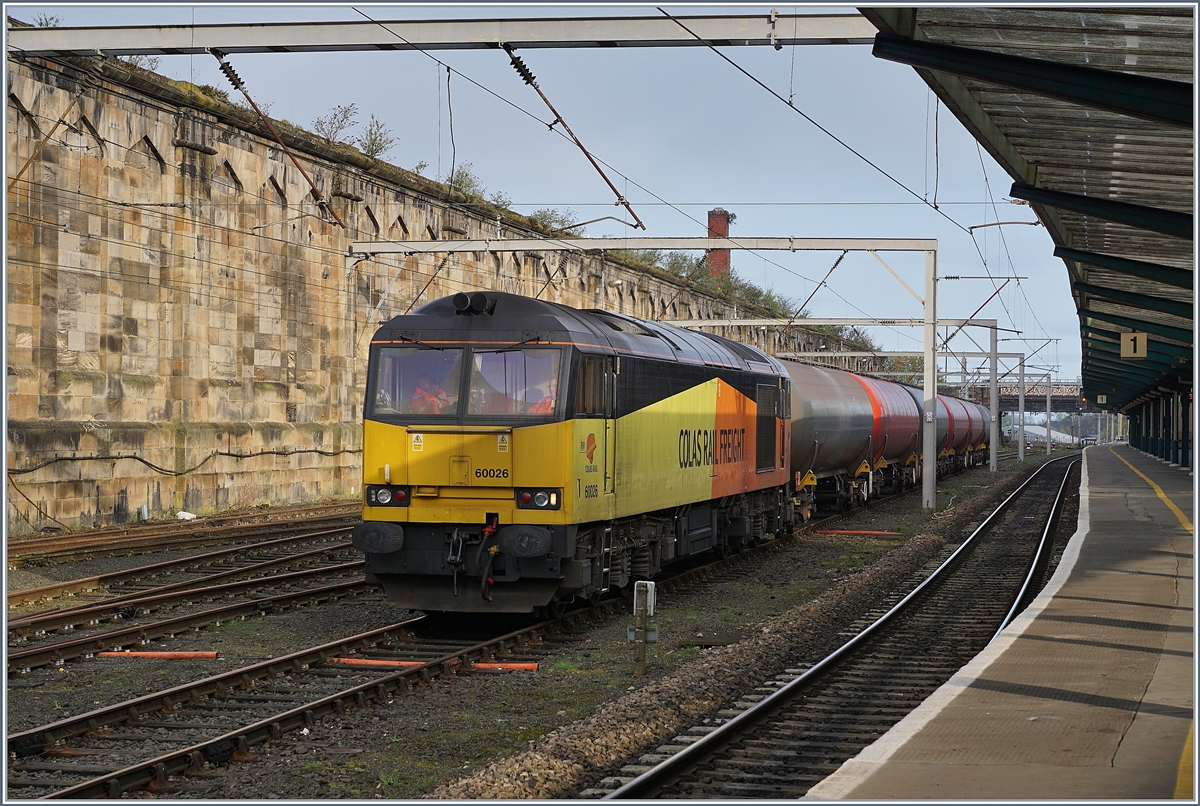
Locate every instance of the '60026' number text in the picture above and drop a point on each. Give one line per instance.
(490, 473)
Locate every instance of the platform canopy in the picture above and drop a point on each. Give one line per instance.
(1090, 112)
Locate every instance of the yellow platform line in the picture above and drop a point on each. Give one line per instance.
(1183, 519)
(1183, 780)
(1184, 777)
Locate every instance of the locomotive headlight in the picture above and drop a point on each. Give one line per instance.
(379, 495)
(539, 499)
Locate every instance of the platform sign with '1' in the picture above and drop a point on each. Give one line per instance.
(1133, 345)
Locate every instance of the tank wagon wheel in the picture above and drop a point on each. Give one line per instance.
(555, 610)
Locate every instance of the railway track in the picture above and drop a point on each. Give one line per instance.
(241, 581)
(63, 547)
(195, 570)
(142, 743)
(793, 732)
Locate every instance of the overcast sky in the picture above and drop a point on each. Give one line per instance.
(683, 132)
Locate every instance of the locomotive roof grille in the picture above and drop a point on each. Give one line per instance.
(480, 316)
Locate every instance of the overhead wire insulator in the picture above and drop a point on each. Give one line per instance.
(527, 74)
(236, 81)
(230, 74)
(522, 69)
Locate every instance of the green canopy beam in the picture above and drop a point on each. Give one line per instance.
(1166, 331)
(1183, 278)
(1169, 306)
(1145, 97)
(1168, 222)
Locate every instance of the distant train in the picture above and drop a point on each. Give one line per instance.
(520, 454)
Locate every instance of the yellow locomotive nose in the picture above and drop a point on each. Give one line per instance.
(465, 474)
(460, 457)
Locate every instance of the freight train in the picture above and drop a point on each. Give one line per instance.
(520, 454)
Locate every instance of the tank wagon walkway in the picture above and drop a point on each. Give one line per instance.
(1088, 694)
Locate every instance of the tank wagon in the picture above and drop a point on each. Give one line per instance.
(519, 454)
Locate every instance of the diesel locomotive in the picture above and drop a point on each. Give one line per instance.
(519, 454)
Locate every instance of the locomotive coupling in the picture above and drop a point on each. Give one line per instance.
(373, 537)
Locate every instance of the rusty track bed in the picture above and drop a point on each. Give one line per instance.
(61, 547)
(185, 564)
(224, 717)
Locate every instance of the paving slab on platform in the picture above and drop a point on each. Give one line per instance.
(1086, 695)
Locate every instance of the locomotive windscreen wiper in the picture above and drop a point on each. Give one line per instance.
(412, 340)
(536, 337)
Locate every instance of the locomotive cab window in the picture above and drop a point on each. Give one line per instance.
(415, 381)
(593, 389)
(515, 382)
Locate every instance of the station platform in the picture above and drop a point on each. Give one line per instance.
(1088, 695)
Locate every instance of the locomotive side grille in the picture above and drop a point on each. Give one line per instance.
(765, 431)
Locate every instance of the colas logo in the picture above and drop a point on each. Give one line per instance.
(591, 447)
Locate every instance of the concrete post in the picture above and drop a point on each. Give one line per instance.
(994, 405)
(929, 432)
(1021, 412)
(643, 608)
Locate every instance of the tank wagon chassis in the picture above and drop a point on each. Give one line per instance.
(519, 454)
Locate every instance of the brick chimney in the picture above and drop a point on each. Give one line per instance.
(718, 227)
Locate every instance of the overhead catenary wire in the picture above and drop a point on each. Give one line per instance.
(453, 148)
(267, 202)
(824, 280)
(807, 117)
(773, 263)
(549, 126)
(1004, 243)
(273, 203)
(658, 198)
(624, 176)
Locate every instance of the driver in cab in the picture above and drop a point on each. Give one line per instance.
(428, 397)
(546, 404)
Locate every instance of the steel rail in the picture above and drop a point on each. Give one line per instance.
(22, 661)
(1043, 546)
(154, 772)
(85, 584)
(29, 742)
(59, 619)
(702, 750)
(207, 580)
(179, 534)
